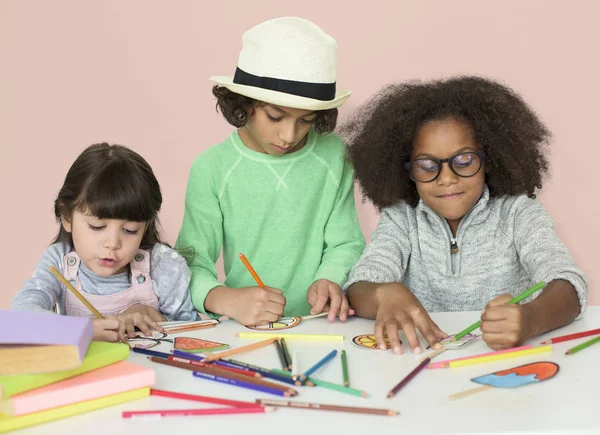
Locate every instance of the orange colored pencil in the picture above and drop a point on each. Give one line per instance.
(252, 271)
(216, 356)
(79, 296)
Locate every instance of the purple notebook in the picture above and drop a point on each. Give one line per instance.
(29, 328)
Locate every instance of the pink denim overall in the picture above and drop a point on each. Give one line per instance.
(140, 292)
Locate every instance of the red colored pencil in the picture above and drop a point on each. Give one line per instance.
(206, 399)
(408, 377)
(571, 336)
(208, 411)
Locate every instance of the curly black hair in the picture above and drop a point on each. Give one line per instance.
(380, 136)
(235, 109)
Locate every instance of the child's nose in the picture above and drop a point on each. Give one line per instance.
(112, 240)
(287, 133)
(447, 176)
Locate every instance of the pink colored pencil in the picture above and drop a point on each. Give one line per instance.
(208, 411)
(205, 399)
(444, 364)
(571, 336)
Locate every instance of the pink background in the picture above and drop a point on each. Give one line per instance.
(136, 73)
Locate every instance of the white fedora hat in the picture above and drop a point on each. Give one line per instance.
(287, 62)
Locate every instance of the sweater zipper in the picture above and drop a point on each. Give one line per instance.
(453, 245)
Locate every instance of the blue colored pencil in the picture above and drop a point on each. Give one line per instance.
(220, 363)
(238, 383)
(318, 365)
(151, 352)
(263, 371)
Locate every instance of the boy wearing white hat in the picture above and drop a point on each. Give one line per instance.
(278, 189)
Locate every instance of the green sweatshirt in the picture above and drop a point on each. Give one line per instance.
(293, 216)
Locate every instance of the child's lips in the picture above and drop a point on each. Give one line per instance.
(281, 149)
(450, 195)
(107, 262)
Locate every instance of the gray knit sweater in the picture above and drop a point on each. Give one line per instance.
(505, 245)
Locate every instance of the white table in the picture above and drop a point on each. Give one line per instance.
(566, 404)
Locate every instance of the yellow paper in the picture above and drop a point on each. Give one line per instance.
(13, 423)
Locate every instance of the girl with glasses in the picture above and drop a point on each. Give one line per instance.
(453, 166)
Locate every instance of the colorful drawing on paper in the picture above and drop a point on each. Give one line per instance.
(367, 341)
(282, 323)
(189, 344)
(518, 376)
(149, 341)
(449, 342)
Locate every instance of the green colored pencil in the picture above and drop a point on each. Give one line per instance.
(515, 300)
(582, 346)
(325, 384)
(345, 369)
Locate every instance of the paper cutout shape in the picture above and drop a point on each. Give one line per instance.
(449, 342)
(282, 323)
(189, 344)
(367, 341)
(519, 376)
(150, 341)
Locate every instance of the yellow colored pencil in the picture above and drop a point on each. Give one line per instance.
(79, 296)
(307, 337)
(498, 356)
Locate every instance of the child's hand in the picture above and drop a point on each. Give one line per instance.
(106, 329)
(505, 325)
(399, 308)
(322, 291)
(142, 316)
(255, 306)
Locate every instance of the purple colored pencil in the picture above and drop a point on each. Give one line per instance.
(408, 377)
(238, 383)
(151, 352)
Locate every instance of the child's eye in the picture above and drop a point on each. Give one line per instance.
(308, 121)
(273, 118)
(95, 228)
(130, 232)
(427, 165)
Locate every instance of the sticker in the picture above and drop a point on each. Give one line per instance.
(367, 341)
(148, 341)
(189, 344)
(282, 323)
(518, 376)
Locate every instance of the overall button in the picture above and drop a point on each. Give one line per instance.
(139, 257)
(71, 261)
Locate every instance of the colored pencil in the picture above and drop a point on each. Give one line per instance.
(444, 364)
(167, 324)
(263, 371)
(515, 300)
(237, 370)
(286, 353)
(571, 336)
(281, 355)
(242, 384)
(345, 369)
(496, 356)
(217, 371)
(83, 300)
(150, 352)
(252, 271)
(318, 365)
(177, 330)
(295, 366)
(249, 347)
(469, 392)
(408, 377)
(329, 385)
(582, 346)
(308, 337)
(205, 399)
(206, 411)
(218, 363)
(315, 316)
(324, 407)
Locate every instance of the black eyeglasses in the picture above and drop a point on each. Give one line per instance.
(464, 165)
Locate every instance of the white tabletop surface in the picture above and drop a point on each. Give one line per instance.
(565, 404)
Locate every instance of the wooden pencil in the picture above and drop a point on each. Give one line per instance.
(324, 407)
(281, 355)
(328, 385)
(408, 377)
(286, 354)
(582, 346)
(204, 411)
(217, 371)
(317, 366)
(83, 300)
(247, 348)
(345, 369)
(205, 399)
(252, 271)
(571, 336)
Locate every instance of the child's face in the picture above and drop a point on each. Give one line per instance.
(277, 130)
(106, 246)
(449, 195)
